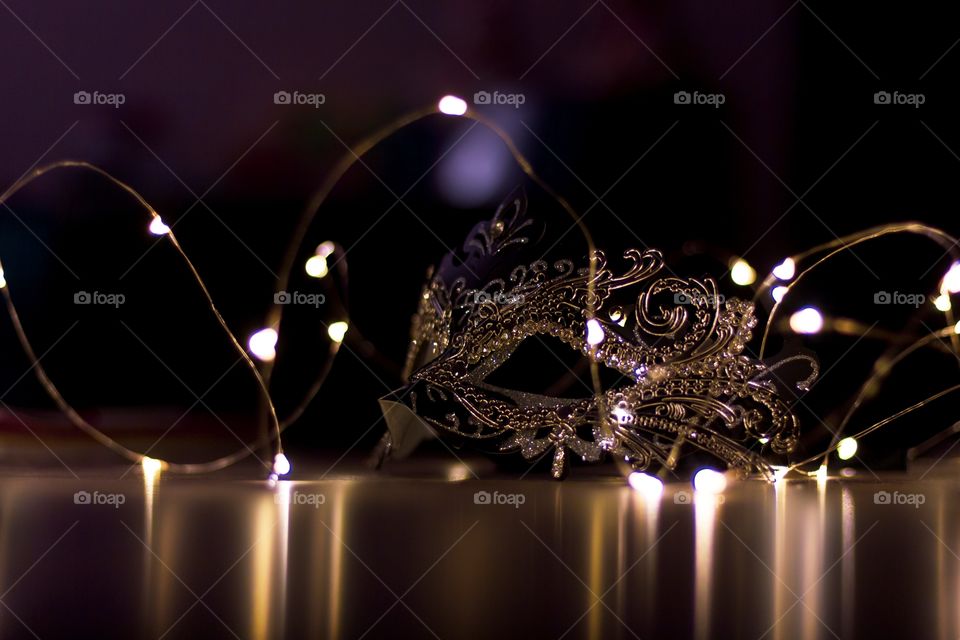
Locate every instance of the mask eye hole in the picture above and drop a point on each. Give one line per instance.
(545, 365)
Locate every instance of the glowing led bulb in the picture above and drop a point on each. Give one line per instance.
(3, 281)
(786, 269)
(807, 320)
(778, 293)
(157, 227)
(263, 344)
(709, 481)
(458, 472)
(281, 466)
(742, 273)
(316, 266)
(942, 302)
(650, 486)
(821, 473)
(452, 105)
(151, 466)
(595, 333)
(779, 473)
(622, 415)
(847, 448)
(337, 330)
(951, 281)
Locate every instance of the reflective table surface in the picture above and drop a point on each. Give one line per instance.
(440, 553)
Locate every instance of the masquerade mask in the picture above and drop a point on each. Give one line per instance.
(676, 342)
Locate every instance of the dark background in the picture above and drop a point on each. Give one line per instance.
(798, 155)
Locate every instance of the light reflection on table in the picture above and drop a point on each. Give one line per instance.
(378, 556)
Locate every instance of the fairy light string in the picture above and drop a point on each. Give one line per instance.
(840, 245)
(54, 393)
(883, 368)
(337, 330)
(785, 277)
(780, 282)
(449, 106)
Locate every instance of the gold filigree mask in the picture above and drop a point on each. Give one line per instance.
(676, 342)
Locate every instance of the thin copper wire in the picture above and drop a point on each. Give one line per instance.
(51, 389)
(275, 314)
(846, 243)
(834, 248)
(355, 155)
